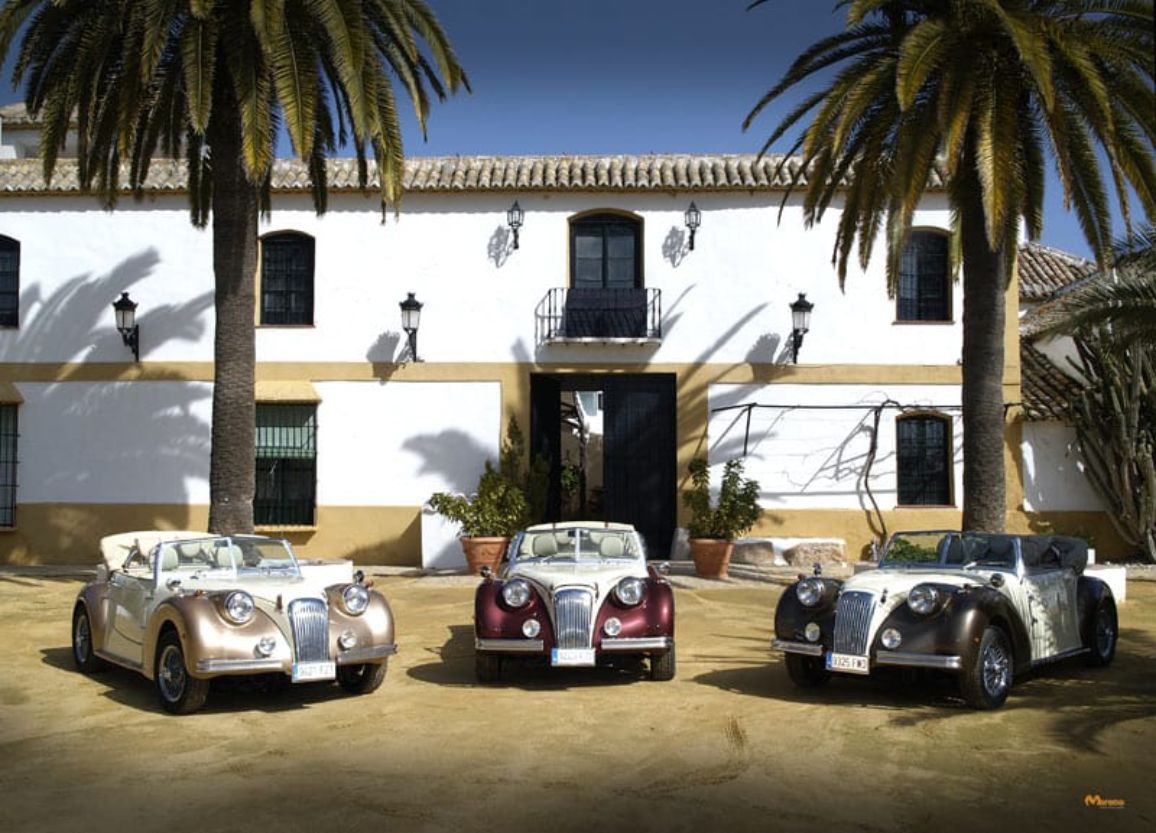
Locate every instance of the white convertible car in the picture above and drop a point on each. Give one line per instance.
(984, 607)
(184, 607)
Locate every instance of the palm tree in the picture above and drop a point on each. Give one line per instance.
(217, 80)
(975, 93)
(1119, 304)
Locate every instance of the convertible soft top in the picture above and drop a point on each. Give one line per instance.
(116, 548)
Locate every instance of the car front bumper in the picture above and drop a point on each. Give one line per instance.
(940, 662)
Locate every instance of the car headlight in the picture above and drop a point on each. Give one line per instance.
(355, 599)
(923, 599)
(810, 591)
(629, 591)
(239, 607)
(516, 593)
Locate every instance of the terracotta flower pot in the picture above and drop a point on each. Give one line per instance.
(484, 552)
(711, 556)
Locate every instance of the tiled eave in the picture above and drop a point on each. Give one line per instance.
(453, 174)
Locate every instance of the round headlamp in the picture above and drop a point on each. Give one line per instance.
(809, 591)
(516, 593)
(239, 607)
(629, 591)
(355, 598)
(891, 638)
(923, 599)
(531, 628)
(612, 626)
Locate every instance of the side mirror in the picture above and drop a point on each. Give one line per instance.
(663, 568)
(487, 573)
(102, 572)
(359, 577)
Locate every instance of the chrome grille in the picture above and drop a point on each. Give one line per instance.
(572, 610)
(853, 622)
(310, 621)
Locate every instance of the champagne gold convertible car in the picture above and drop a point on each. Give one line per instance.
(184, 607)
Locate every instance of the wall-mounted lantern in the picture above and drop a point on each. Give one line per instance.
(693, 219)
(800, 323)
(410, 320)
(514, 217)
(125, 309)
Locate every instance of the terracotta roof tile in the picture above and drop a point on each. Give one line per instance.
(477, 173)
(1045, 388)
(1043, 271)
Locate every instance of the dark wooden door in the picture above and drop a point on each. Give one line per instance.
(639, 460)
(546, 435)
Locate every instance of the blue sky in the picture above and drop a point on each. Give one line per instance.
(629, 76)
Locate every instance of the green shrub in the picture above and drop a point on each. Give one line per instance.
(737, 509)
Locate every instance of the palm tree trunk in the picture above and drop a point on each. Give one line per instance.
(232, 469)
(984, 285)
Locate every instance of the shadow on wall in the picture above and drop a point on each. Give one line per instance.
(500, 246)
(83, 443)
(454, 456)
(385, 356)
(674, 247)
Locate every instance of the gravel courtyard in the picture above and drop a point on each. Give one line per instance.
(728, 745)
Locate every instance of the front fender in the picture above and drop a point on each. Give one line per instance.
(957, 628)
(375, 625)
(205, 634)
(791, 615)
(1090, 592)
(494, 620)
(653, 616)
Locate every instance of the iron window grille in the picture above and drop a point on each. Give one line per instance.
(8, 435)
(924, 282)
(286, 489)
(9, 282)
(287, 261)
(924, 460)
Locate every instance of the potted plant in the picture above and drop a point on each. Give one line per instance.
(713, 529)
(497, 509)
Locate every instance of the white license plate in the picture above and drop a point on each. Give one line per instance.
(574, 657)
(304, 672)
(849, 663)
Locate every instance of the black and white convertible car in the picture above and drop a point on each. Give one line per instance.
(984, 607)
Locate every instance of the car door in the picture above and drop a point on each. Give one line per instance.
(130, 595)
(1050, 592)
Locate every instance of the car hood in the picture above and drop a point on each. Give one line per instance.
(599, 576)
(898, 581)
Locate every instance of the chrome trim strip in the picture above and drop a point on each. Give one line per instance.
(938, 661)
(362, 654)
(227, 666)
(516, 646)
(643, 643)
(1072, 652)
(796, 647)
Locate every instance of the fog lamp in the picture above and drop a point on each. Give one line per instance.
(531, 628)
(347, 640)
(890, 638)
(266, 646)
(812, 632)
(612, 626)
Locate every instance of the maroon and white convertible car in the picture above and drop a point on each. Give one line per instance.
(574, 594)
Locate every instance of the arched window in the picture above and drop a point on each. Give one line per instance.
(924, 278)
(924, 454)
(605, 252)
(9, 282)
(287, 278)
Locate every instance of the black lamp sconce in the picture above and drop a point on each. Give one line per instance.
(410, 320)
(800, 324)
(693, 219)
(514, 217)
(125, 309)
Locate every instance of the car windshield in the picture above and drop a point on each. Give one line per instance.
(233, 556)
(950, 549)
(577, 544)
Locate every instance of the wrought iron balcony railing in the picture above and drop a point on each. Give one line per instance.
(628, 315)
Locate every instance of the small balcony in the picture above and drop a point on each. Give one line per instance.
(599, 316)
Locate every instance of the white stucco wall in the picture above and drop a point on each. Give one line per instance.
(120, 442)
(727, 301)
(1054, 479)
(806, 458)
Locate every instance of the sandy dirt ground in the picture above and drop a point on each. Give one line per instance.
(729, 745)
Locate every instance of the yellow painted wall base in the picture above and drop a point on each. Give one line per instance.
(391, 535)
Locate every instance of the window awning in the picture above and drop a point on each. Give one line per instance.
(286, 392)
